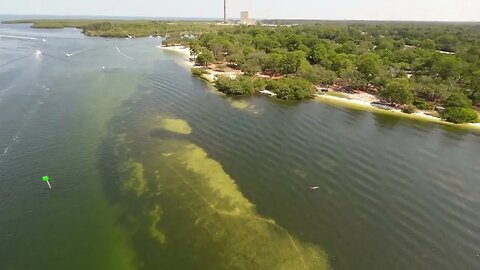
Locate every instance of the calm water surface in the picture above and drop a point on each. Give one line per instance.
(153, 170)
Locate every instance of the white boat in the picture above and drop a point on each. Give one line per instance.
(266, 92)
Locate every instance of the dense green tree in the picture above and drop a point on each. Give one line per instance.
(428, 44)
(472, 86)
(236, 59)
(320, 55)
(447, 66)
(267, 44)
(409, 108)
(291, 62)
(349, 50)
(447, 42)
(458, 99)
(370, 66)
(195, 49)
(251, 67)
(342, 62)
(205, 58)
(348, 47)
(316, 74)
(364, 47)
(293, 43)
(458, 109)
(241, 85)
(399, 44)
(432, 89)
(398, 91)
(386, 44)
(198, 71)
(273, 64)
(253, 62)
(291, 88)
(309, 40)
(473, 54)
(407, 56)
(460, 115)
(423, 104)
(220, 47)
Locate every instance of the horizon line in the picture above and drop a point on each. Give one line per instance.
(237, 18)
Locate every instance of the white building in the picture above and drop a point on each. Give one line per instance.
(244, 18)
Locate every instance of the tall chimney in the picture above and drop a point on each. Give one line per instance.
(224, 11)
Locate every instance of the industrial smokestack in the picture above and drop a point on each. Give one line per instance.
(224, 11)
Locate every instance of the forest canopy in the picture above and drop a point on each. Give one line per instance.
(419, 65)
(414, 64)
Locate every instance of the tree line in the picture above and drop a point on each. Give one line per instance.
(420, 66)
(414, 65)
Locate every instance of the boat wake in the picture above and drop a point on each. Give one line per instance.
(4, 91)
(18, 59)
(124, 55)
(18, 37)
(4, 152)
(75, 53)
(15, 140)
(46, 91)
(45, 95)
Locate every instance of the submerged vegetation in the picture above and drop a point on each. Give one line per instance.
(179, 198)
(176, 125)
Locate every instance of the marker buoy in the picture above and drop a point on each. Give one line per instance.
(45, 179)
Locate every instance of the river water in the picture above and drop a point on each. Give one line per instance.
(151, 169)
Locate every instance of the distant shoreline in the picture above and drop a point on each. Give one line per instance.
(347, 102)
(33, 17)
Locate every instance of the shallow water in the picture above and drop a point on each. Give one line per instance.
(151, 170)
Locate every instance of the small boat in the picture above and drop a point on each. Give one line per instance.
(314, 188)
(268, 93)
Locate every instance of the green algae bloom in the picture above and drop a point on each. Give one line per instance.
(242, 104)
(179, 198)
(134, 180)
(179, 126)
(155, 215)
(239, 104)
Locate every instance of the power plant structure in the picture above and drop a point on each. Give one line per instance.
(244, 17)
(224, 11)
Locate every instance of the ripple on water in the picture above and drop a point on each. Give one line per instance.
(185, 200)
(376, 206)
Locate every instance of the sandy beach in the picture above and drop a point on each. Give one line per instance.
(357, 100)
(366, 106)
(181, 50)
(187, 61)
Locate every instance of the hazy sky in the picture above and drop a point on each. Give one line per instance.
(444, 10)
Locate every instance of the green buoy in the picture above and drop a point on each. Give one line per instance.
(46, 178)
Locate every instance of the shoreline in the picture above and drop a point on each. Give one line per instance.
(365, 106)
(351, 101)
